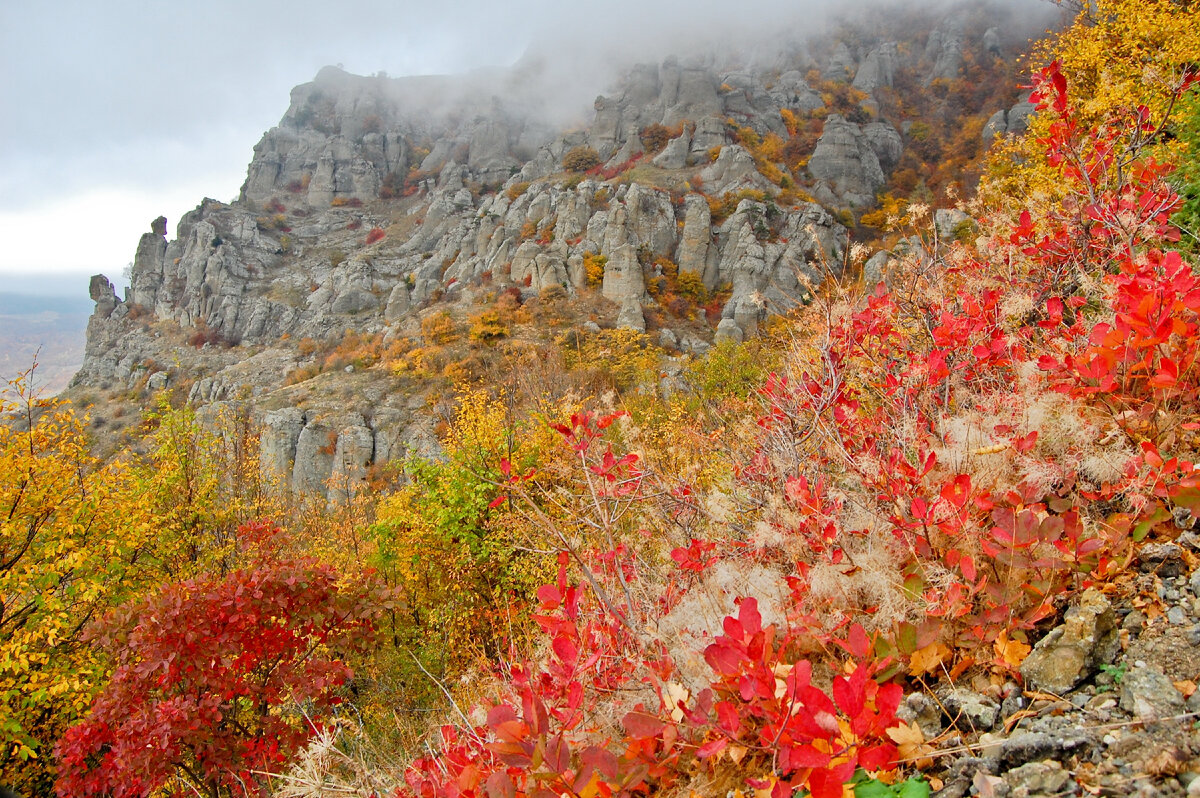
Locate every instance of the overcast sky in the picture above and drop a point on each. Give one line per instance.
(117, 111)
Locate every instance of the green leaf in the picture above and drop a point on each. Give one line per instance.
(874, 788)
(912, 788)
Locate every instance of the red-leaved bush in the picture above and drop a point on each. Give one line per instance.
(211, 674)
(997, 427)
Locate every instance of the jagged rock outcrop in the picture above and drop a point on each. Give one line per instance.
(878, 68)
(944, 49)
(378, 201)
(846, 162)
(1014, 121)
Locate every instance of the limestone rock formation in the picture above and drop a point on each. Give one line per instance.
(845, 160)
(377, 202)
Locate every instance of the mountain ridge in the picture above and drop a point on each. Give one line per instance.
(719, 195)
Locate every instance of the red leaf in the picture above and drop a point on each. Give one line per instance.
(712, 748)
(749, 616)
(850, 694)
(640, 725)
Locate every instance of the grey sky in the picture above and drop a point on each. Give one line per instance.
(115, 111)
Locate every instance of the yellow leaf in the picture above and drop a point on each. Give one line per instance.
(911, 745)
(736, 753)
(1011, 652)
(928, 659)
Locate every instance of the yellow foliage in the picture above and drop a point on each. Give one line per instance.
(439, 328)
(464, 569)
(516, 190)
(1118, 54)
(772, 147)
(789, 120)
(593, 267)
(200, 483)
(625, 355)
(72, 534)
(488, 326)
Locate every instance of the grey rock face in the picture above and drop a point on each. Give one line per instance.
(841, 62)
(290, 258)
(676, 154)
(352, 456)
(1073, 651)
(946, 222)
(885, 142)
(734, 170)
(103, 294)
(878, 69)
(1014, 121)
(846, 161)
(631, 316)
(945, 49)
(314, 457)
(277, 442)
(792, 91)
(695, 239)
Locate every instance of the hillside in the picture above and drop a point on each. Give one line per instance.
(814, 420)
(703, 196)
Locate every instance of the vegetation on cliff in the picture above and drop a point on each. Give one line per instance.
(611, 582)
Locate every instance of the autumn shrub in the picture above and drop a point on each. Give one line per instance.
(516, 190)
(439, 328)
(65, 556)
(624, 356)
(451, 551)
(580, 159)
(691, 286)
(593, 268)
(202, 481)
(758, 710)
(202, 335)
(611, 172)
(226, 674)
(488, 326)
(391, 186)
(654, 137)
(376, 234)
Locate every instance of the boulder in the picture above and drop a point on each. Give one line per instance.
(1073, 651)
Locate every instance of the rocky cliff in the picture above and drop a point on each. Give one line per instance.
(378, 201)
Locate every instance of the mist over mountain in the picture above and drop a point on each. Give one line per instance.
(696, 196)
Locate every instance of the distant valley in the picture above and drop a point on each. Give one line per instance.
(50, 327)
